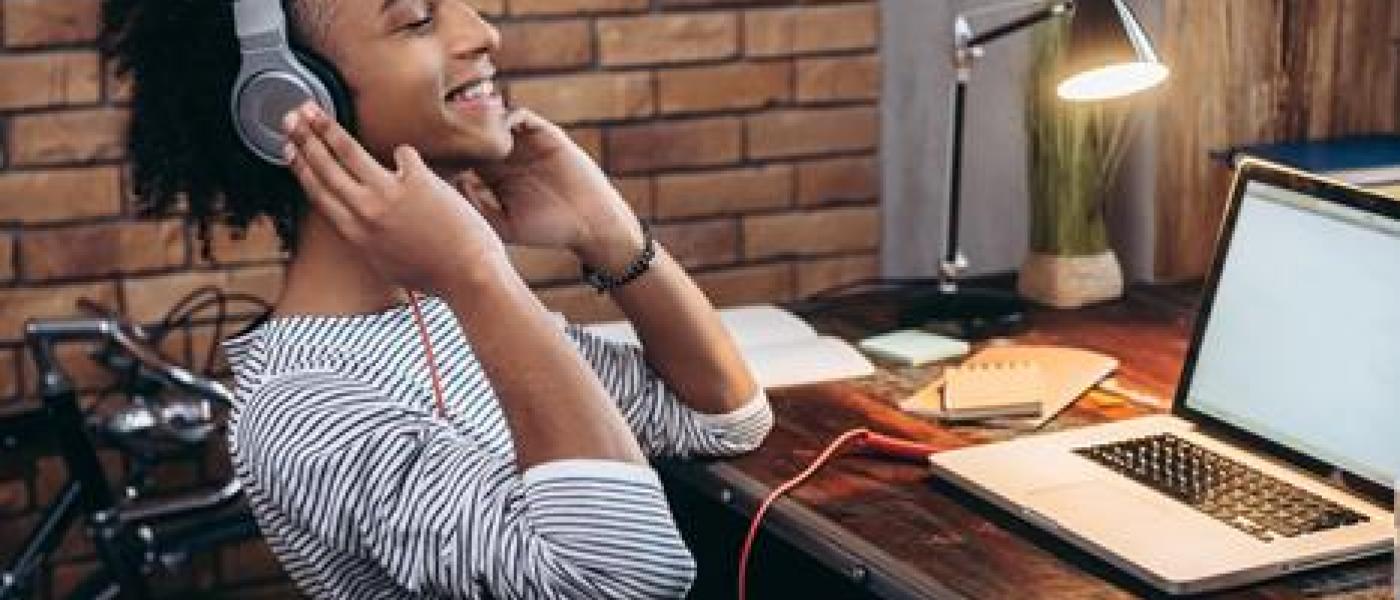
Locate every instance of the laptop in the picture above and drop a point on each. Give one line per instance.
(1283, 446)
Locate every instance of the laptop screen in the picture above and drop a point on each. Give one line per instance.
(1302, 342)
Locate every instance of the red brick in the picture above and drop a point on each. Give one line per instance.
(809, 233)
(838, 78)
(86, 374)
(58, 78)
(696, 244)
(489, 8)
(260, 243)
(69, 136)
(580, 304)
(586, 97)
(67, 576)
(819, 275)
(45, 22)
(574, 7)
(783, 31)
(668, 38)
(194, 351)
(18, 304)
(724, 192)
(837, 180)
(263, 282)
(748, 285)
(590, 139)
(14, 497)
(14, 531)
(549, 45)
(58, 194)
(725, 87)
(148, 298)
(119, 89)
(637, 191)
(9, 378)
(691, 143)
(7, 258)
(811, 131)
(103, 249)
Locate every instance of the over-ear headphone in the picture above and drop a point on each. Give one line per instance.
(274, 78)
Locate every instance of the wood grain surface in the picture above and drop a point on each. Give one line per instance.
(900, 532)
(1255, 71)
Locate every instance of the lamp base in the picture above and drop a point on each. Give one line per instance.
(967, 313)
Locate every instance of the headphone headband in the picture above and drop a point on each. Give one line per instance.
(260, 24)
(271, 80)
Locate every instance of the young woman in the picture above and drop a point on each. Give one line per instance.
(468, 443)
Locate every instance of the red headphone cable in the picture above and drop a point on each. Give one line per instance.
(864, 439)
(428, 354)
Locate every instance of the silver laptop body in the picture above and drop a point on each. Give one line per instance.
(1293, 371)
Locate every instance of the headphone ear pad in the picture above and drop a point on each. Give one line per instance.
(335, 85)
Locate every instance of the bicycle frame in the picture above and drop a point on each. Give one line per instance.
(129, 537)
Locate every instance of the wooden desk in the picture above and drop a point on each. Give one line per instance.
(898, 532)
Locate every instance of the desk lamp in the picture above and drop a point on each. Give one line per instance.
(1109, 56)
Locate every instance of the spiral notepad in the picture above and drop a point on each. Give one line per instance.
(981, 391)
(1004, 381)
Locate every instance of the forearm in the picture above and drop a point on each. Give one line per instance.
(553, 402)
(682, 335)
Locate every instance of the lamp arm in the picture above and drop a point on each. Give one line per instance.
(1050, 11)
(968, 45)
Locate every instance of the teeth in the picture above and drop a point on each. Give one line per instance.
(480, 89)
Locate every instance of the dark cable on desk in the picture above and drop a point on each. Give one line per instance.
(864, 439)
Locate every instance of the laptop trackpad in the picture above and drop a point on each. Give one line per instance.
(1109, 511)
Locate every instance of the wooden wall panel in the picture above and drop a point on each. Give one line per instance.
(1249, 71)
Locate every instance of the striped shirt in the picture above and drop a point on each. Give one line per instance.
(362, 491)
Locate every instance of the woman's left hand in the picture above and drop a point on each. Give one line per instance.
(549, 193)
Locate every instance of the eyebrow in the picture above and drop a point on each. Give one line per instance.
(387, 5)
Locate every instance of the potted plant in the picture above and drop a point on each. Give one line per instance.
(1074, 152)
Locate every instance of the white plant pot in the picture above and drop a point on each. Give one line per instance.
(1071, 281)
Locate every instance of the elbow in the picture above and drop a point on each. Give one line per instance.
(746, 433)
(666, 570)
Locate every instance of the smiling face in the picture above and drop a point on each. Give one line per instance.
(420, 73)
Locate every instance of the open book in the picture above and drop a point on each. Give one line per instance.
(779, 347)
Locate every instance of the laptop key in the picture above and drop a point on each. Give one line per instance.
(1257, 504)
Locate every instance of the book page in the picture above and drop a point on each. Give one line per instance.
(780, 348)
(757, 325)
(806, 361)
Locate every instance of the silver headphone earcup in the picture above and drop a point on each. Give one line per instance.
(263, 100)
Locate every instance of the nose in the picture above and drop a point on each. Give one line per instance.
(472, 36)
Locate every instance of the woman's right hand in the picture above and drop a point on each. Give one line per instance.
(414, 228)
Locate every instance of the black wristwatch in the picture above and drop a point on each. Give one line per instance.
(604, 282)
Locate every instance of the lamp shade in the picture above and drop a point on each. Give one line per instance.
(1109, 53)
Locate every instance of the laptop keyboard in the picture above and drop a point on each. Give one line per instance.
(1232, 493)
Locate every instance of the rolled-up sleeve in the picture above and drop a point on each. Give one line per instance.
(666, 426)
(441, 514)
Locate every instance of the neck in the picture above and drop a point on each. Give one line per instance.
(326, 276)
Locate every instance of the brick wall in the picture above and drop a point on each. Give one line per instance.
(745, 130)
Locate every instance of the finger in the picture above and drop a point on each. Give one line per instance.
(408, 162)
(316, 193)
(517, 118)
(328, 170)
(356, 160)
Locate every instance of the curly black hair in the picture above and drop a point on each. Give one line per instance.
(181, 57)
